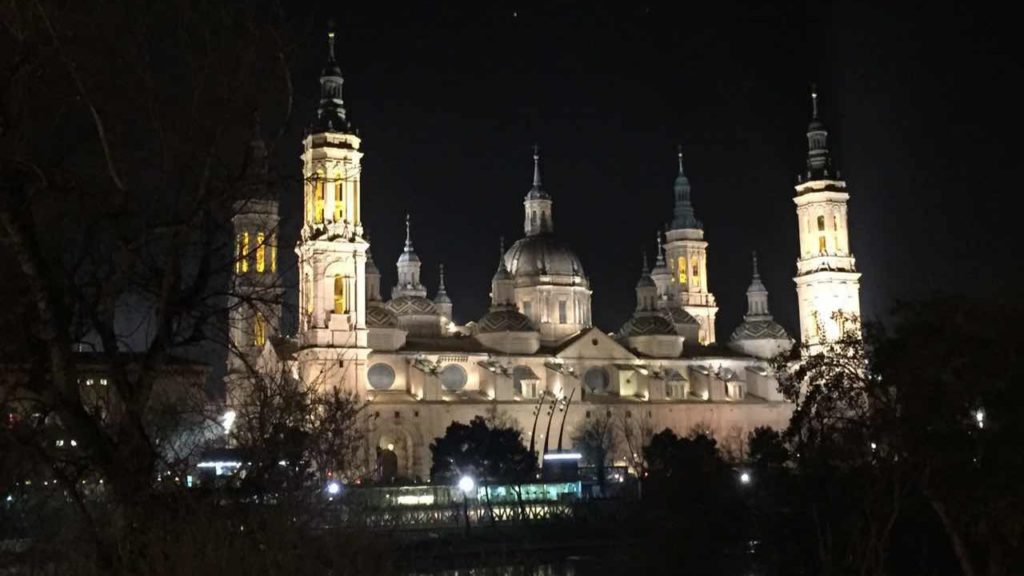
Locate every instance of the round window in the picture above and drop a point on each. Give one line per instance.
(596, 379)
(453, 377)
(381, 376)
(519, 374)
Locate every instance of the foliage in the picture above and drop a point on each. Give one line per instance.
(489, 454)
(597, 441)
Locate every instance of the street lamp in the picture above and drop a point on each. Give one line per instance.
(466, 485)
(745, 478)
(333, 488)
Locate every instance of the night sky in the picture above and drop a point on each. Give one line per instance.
(920, 102)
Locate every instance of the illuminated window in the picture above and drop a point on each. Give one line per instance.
(695, 270)
(261, 252)
(318, 213)
(340, 303)
(533, 218)
(822, 244)
(339, 204)
(681, 267)
(244, 261)
(562, 312)
(273, 252)
(259, 330)
(835, 221)
(239, 254)
(821, 223)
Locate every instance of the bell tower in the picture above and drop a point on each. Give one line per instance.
(827, 281)
(332, 248)
(687, 254)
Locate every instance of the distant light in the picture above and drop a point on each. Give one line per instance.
(228, 420)
(73, 443)
(979, 417)
(219, 464)
(467, 484)
(333, 488)
(10, 498)
(745, 478)
(391, 447)
(414, 500)
(874, 446)
(563, 456)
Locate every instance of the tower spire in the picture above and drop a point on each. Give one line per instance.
(659, 259)
(537, 205)
(536, 167)
(330, 114)
(756, 273)
(819, 165)
(684, 217)
(645, 269)
(408, 233)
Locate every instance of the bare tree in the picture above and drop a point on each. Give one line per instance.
(597, 441)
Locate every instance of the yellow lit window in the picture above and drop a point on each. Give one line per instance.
(244, 260)
(822, 244)
(835, 221)
(273, 252)
(259, 330)
(339, 204)
(309, 296)
(695, 271)
(319, 209)
(681, 267)
(261, 252)
(340, 303)
(239, 254)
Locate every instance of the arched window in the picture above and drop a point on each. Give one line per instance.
(261, 252)
(339, 203)
(835, 221)
(695, 270)
(245, 252)
(596, 380)
(533, 218)
(259, 330)
(272, 240)
(309, 296)
(681, 267)
(822, 245)
(318, 212)
(821, 223)
(340, 293)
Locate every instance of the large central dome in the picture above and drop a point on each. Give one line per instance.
(544, 255)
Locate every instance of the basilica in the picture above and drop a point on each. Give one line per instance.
(535, 357)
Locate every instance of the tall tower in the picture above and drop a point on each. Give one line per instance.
(331, 248)
(687, 254)
(256, 293)
(827, 281)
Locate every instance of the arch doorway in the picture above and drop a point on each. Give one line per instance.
(394, 456)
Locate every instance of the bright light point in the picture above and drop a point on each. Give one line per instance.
(874, 446)
(228, 420)
(466, 484)
(563, 456)
(391, 447)
(333, 487)
(979, 417)
(745, 478)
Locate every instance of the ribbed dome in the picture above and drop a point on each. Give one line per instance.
(542, 255)
(505, 321)
(411, 305)
(678, 316)
(645, 281)
(648, 325)
(378, 316)
(760, 330)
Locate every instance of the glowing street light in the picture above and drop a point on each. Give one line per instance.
(333, 488)
(745, 478)
(979, 417)
(466, 485)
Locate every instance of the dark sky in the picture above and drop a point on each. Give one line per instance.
(920, 101)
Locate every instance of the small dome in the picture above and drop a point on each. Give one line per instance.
(677, 315)
(378, 316)
(648, 325)
(505, 321)
(411, 305)
(760, 330)
(542, 255)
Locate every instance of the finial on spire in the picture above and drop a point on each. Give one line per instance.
(536, 166)
(644, 254)
(814, 101)
(659, 257)
(757, 274)
(501, 246)
(330, 45)
(679, 153)
(440, 287)
(408, 233)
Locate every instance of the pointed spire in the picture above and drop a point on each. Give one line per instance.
(537, 190)
(757, 275)
(684, 217)
(408, 233)
(819, 165)
(330, 114)
(442, 294)
(645, 270)
(440, 284)
(659, 260)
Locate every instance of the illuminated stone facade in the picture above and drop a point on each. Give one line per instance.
(536, 344)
